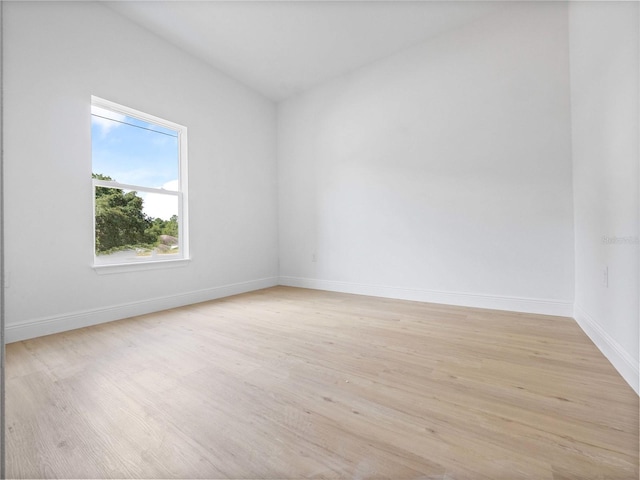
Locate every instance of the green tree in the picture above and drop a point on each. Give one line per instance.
(160, 227)
(155, 230)
(120, 221)
(171, 226)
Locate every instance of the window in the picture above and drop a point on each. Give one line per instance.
(139, 174)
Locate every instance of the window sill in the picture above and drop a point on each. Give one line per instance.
(137, 267)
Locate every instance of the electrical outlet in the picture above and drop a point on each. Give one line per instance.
(605, 277)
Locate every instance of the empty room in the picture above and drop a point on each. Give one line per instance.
(320, 239)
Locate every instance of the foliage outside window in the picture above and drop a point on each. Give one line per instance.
(139, 181)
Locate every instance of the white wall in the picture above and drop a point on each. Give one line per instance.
(604, 100)
(2, 335)
(442, 173)
(56, 56)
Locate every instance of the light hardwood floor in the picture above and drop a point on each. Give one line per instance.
(292, 383)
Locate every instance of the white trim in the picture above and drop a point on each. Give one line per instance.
(182, 193)
(109, 268)
(494, 302)
(183, 198)
(132, 112)
(621, 360)
(138, 188)
(69, 321)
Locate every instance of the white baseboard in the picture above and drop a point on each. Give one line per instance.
(622, 360)
(494, 302)
(70, 321)
(612, 350)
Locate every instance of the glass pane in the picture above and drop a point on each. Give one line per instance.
(129, 150)
(135, 226)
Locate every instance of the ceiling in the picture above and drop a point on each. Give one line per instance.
(280, 48)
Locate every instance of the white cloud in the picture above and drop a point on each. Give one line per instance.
(161, 206)
(104, 123)
(171, 185)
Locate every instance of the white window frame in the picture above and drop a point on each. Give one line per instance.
(183, 212)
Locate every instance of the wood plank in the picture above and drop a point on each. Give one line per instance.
(293, 383)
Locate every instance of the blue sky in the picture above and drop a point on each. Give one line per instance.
(136, 152)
